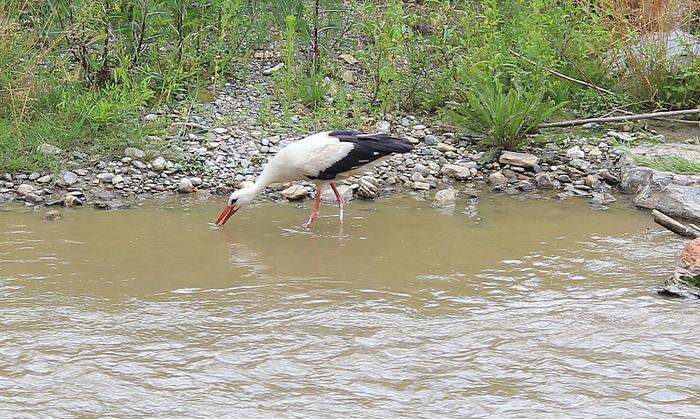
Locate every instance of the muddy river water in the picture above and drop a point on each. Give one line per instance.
(533, 307)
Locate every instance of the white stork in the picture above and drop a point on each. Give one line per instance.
(322, 158)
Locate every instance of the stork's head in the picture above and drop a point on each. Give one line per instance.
(236, 201)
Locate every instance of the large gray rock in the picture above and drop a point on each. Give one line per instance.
(674, 195)
(512, 158)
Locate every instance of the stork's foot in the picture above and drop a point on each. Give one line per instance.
(313, 217)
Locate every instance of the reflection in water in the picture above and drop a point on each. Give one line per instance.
(539, 307)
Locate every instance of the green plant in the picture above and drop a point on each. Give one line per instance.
(674, 164)
(503, 116)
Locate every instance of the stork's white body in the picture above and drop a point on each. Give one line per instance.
(306, 158)
(321, 158)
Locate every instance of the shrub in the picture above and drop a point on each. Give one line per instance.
(502, 116)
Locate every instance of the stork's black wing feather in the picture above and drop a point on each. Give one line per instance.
(366, 149)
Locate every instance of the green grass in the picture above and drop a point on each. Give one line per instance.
(673, 164)
(101, 122)
(503, 116)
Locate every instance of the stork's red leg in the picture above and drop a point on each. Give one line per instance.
(341, 201)
(317, 209)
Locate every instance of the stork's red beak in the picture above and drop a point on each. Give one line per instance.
(228, 211)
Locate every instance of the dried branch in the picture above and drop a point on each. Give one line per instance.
(631, 117)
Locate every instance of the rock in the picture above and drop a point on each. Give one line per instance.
(272, 70)
(518, 159)
(455, 171)
(159, 164)
(635, 178)
(49, 149)
(32, 198)
(134, 153)
(592, 181)
(71, 200)
(111, 205)
(595, 153)
(580, 164)
(498, 179)
(185, 186)
(417, 177)
(445, 198)
(545, 181)
(105, 177)
(609, 178)
(52, 215)
(151, 117)
(45, 179)
(691, 255)
(525, 186)
(430, 140)
(444, 147)
(117, 179)
(328, 197)
(384, 127)
(295, 193)
(368, 187)
(70, 178)
(575, 153)
(676, 200)
(420, 186)
(24, 189)
(422, 169)
(348, 59)
(102, 195)
(348, 76)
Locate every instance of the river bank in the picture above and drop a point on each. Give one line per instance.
(221, 145)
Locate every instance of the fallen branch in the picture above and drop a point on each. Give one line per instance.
(677, 121)
(631, 117)
(672, 225)
(563, 76)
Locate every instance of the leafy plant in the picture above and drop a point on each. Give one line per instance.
(503, 116)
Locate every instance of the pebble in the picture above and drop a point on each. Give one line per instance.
(159, 164)
(295, 193)
(575, 152)
(70, 178)
(421, 186)
(105, 177)
(445, 198)
(49, 149)
(455, 171)
(497, 179)
(185, 186)
(45, 179)
(25, 189)
(52, 215)
(524, 160)
(134, 153)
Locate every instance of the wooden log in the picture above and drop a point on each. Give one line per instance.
(631, 117)
(672, 225)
